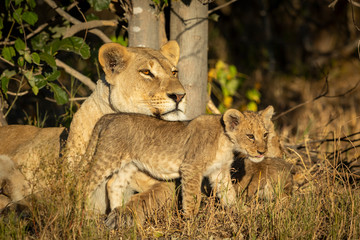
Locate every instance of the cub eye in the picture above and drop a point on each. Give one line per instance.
(266, 135)
(174, 72)
(146, 72)
(251, 137)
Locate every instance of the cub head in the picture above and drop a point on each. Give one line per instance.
(144, 80)
(249, 131)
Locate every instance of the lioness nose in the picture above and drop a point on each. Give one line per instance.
(261, 152)
(177, 97)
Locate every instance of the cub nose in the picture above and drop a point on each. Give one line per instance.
(260, 152)
(176, 97)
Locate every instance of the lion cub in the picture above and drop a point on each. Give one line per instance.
(122, 144)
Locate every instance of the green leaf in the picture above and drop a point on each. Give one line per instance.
(215, 17)
(50, 60)
(7, 4)
(21, 61)
(76, 45)
(17, 2)
(32, 3)
(19, 45)
(253, 95)
(8, 53)
(252, 106)
(59, 94)
(5, 78)
(27, 57)
(35, 90)
(52, 76)
(8, 73)
(36, 81)
(4, 84)
(35, 57)
(17, 15)
(39, 41)
(30, 17)
(1, 23)
(232, 70)
(232, 86)
(91, 16)
(40, 81)
(99, 5)
(53, 46)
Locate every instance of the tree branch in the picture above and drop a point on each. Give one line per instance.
(75, 21)
(325, 91)
(30, 35)
(88, 25)
(87, 81)
(221, 6)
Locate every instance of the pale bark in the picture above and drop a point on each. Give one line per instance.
(189, 27)
(144, 25)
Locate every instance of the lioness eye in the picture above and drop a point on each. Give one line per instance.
(266, 135)
(174, 72)
(251, 137)
(146, 72)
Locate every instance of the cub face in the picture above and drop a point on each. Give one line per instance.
(144, 80)
(248, 131)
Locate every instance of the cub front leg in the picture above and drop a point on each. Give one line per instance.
(220, 181)
(191, 178)
(116, 186)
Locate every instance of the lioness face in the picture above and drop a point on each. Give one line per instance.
(144, 80)
(248, 131)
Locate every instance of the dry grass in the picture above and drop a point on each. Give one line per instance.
(325, 201)
(325, 204)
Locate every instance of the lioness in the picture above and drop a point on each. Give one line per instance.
(139, 80)
(122, 144)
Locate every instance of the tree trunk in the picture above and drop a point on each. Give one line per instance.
(189, 27)
(146, 25)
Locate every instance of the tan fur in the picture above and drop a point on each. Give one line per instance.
(122, 144)
(266, 179)
(127, 89)
(247, 179)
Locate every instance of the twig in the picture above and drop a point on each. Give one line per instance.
(212, 107)
(88, 25)
(221, 6)
(325, 91)
(73, 20)
(87, 81)
(17, 94)
(30, 35)
(321, 141)
(74, 99)
(8, 62)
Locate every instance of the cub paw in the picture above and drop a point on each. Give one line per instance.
(117, 218)
(112, 219)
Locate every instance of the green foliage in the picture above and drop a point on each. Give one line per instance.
(225, 84)
(121, 40)
(99, 5)
(34, 58)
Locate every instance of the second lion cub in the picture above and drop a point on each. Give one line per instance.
(122, 144)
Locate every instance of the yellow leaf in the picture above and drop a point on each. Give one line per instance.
(228, 101)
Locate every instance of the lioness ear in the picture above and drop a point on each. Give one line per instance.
(267, 114)
(171, 51)
(232, 118)
(113, 57)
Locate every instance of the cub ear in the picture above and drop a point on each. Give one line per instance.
(171, 51)
(232, 119)
(267, 114)
(113, 57)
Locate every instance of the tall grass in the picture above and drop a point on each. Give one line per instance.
(327, 206)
